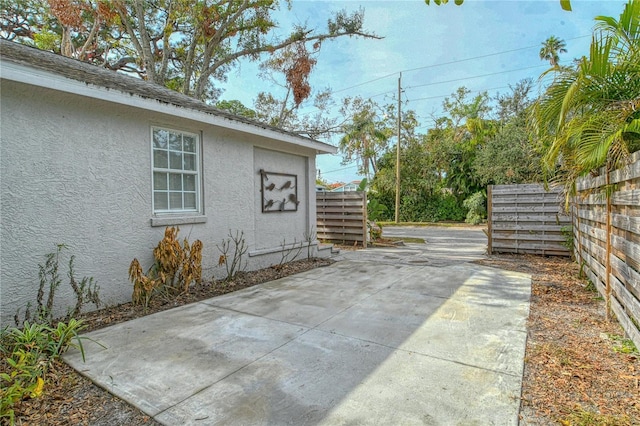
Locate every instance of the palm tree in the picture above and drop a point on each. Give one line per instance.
(364, 139)
(551, 49)
(589, 116)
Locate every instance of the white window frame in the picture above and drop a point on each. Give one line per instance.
(167, 170)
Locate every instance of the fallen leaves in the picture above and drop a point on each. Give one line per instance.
(573, 375)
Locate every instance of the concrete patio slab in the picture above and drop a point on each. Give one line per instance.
(387, 318)
(362, 341)
(296, 385)
(366, 384)
(412, 389)
(161, 359)
(443, 246)
(475, 327)
(360, 271)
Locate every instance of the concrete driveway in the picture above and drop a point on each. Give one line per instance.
(443, 246)
(372, 339)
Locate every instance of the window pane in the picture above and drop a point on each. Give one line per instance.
(175, 200)
(189, 143)
(189, 161)
(160, 159)
(175, 182)
(160, 201)
(175, 188)
(175, 141)
(175, 160)
(189, 182)
(160, 139)
(159, 180)
(190, 200)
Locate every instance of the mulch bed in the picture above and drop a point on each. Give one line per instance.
(576, 371)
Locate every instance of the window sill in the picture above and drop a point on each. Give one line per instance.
(177, 220)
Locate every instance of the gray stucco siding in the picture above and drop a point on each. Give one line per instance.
(287, 227)
(77, 170)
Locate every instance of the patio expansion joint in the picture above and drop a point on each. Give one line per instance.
(225, 308)
(211, 302)
(204, 388)
(308, 329)
(395, 348)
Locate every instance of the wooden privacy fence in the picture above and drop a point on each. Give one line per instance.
(607, 240)
(342, 217)
(527, 219)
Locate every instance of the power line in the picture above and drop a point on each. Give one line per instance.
(380, 94)
(477, 76)
(463, 79)
(460, 79)
(449, 63)
(340, 170)
(485, 56)
(366, 82)
(473, 91)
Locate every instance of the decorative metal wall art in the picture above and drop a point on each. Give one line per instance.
(279, 192)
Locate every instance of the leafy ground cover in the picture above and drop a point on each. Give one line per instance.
(579, 370)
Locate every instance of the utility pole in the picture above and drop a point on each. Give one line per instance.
(398, 151)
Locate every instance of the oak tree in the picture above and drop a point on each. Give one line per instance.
(185, 45)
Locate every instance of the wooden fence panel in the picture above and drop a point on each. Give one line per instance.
(607, 235)
(342, 217)
(526, 219)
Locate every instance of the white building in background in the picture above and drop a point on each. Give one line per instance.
(348, 187)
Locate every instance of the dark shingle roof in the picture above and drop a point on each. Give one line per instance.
(102, 77)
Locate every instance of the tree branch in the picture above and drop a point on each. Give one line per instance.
(94, 30)
(204, 77)
(145, 43)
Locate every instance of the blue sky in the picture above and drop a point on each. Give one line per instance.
(484, 45)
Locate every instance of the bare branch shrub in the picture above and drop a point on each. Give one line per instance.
(234, 262)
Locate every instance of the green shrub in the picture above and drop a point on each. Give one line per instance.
(421, 207)
(567, 234)
(448, 208)
(27, 354)
(28, 350)
(23, 380)
(442, 207)
(375, 210)
(44, 341)
(476, 206)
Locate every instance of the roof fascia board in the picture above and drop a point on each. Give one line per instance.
(41, 78)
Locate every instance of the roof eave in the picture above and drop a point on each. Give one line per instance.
(21, 72)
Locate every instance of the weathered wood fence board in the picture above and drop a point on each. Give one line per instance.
(342, 217)
(526, 219)
(607, 235)
(606, 230)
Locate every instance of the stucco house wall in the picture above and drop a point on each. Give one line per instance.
(76, 169)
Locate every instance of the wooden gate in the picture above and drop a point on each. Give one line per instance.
(527, 219)
(342, 217)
